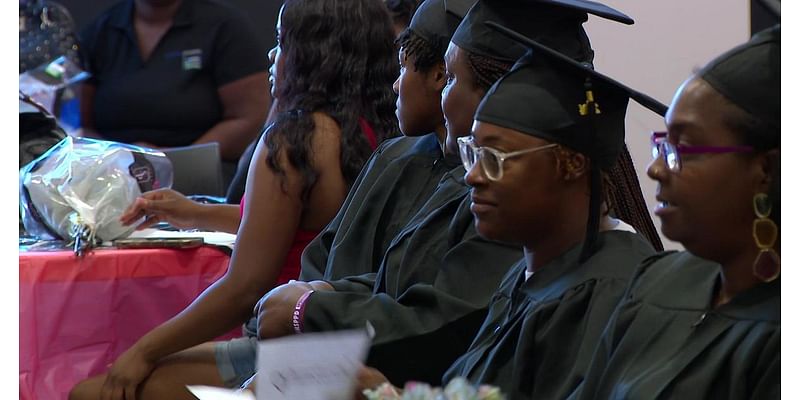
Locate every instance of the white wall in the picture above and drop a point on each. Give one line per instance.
(670, 39)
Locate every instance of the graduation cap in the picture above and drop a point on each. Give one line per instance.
(458, 8)
(773, 6)
(556, 23)
(549, 95)
(749, 75)
(436, 20)
(557, 57)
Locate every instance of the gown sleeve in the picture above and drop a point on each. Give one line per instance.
(422, 330)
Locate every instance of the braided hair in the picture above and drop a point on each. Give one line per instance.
(486, 70)
(624, 195)
(423, 54)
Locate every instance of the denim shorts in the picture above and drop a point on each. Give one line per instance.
(236, 360)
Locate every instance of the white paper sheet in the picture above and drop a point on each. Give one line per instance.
(312, 366)
(215, 393)
(217, 238)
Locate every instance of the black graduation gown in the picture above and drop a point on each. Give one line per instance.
(540, 334)
(429, 294)
(664, 342)
(395, 182)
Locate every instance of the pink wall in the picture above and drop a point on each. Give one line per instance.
(669, 40)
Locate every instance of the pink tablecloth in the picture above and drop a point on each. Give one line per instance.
(77, 315)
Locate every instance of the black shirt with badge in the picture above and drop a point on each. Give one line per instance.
(170, 99)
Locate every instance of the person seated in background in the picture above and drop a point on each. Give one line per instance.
(431, 290)
(538, 166)
(332, 75)
(705, 323)
(169, 73)
(404, 172)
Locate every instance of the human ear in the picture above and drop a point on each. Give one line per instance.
(769, 169)
(437, 76)
(571, 165)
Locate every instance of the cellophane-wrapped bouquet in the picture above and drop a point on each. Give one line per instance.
(457, 389)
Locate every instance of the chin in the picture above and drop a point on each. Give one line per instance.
(673, 230)
(408, 130)
(491, 232)
(484, 229)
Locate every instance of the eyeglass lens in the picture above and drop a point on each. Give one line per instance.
(490, 163)
(669, 152)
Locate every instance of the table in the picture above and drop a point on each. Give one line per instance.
(76, 315)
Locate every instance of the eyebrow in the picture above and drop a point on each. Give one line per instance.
(678, 128)
(489, 140)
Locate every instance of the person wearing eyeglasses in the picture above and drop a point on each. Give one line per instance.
(429, 293)
(535, 161)
(705, 323)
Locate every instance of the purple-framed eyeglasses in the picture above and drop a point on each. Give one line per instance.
(672, 152)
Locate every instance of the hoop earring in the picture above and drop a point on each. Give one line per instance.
(767, 265)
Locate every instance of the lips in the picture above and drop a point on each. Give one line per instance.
(481, 205)
(663, 206)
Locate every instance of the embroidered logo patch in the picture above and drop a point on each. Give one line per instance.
(192, 59)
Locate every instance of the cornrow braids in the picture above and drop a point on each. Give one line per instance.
(625, 197)
(423, 54)
(486, 70)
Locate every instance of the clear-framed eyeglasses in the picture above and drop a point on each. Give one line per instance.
(671, 152)
(491, 160)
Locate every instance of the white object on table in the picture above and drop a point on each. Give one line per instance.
(216, 238)
(215, 393)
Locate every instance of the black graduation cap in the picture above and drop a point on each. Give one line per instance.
(749, 75)
(458, 8)
(436, 20)
(773, 6)
(550, 95)
(556, 23)
(585, 68)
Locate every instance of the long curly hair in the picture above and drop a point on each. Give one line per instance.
(338, 59)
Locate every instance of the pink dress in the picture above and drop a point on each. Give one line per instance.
(291, 267)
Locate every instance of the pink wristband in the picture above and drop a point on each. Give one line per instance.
(299, 310)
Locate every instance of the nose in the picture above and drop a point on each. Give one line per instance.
(474, 176)
(271, 54)
(657, 169)
(396, 85)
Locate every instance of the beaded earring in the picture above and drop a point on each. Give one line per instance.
(767, 265)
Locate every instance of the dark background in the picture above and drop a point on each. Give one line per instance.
(262, 13)
(760, 17)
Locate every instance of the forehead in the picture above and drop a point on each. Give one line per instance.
(696, 109)
(452, 55)
(488, 134)
(280, 17)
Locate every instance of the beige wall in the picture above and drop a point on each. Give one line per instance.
(670, 39)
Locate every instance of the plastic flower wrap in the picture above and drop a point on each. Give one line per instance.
(457, 389)
(79, 188)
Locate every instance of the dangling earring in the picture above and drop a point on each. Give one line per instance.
(767, 265)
